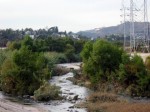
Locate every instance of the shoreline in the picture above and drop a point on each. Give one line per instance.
(8, 106)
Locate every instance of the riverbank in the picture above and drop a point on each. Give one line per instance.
(76, 96)
(71, 93)
(110, 101)
(9, 106)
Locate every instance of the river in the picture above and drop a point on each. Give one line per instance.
(73, 94)
(69, 91)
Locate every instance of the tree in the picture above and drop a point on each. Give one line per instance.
(69, 52)
(100, 59)
(87, 50)
(134, 76)
(26, 71)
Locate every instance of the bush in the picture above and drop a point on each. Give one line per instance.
(8, 72)
(69, 52)
(100, 60)
(47, 92)
(55, 58)
(24, 71)
(104, 62)
(13, 45)
(5, 54)
(134, 76)
(147, 62)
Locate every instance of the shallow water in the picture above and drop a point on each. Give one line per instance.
(69, 90)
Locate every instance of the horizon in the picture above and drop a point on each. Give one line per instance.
(67, 15)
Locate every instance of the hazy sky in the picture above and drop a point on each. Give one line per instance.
(70, 15)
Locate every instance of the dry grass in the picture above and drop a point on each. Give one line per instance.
(107, 102)
(118, 107)
(128, 107)
(103, 97)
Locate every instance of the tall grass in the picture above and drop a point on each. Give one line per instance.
(108, 102)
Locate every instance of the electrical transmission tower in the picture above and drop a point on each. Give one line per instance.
(135, 11)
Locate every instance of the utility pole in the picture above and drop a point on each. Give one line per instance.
(124, 16)
(132, 35)
(139, 40)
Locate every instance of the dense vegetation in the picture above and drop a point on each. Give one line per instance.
(24, 71)
(27, 64)
(70, 47)
(106, 63)
(7, 35)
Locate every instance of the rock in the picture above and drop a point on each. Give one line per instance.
(19, 97)
(63, 100)
(137, 98)
(27, 101)
(26, 96)
(75, 97)
(71, 93)
(32, 97)
(47, 103)
(67, 90)
(71, 107)
(60, 81)
(81, 84)
(69, 99)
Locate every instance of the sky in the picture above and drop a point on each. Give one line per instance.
(69, 15)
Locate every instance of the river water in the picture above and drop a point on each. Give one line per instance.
(69, 91)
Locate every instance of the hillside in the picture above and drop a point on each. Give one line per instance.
(118, 30)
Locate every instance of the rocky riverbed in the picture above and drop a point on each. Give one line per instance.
(72, 94)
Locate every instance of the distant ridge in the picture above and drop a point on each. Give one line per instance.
(117, 30)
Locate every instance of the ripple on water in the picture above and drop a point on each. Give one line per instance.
(69, 90)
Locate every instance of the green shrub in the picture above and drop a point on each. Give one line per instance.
(132, 70)
(13, 45)
(55, 58)
(8, 72)
(100, 60)
(147, 62)
(24, 70)
(47, 92)
(104, 62)
(5, 54)
(134, 76)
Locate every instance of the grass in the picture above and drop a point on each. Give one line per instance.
(108, 102)
(118, 107)
(47, 92)
(103, 97)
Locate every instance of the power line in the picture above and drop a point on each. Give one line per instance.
(139, 41)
